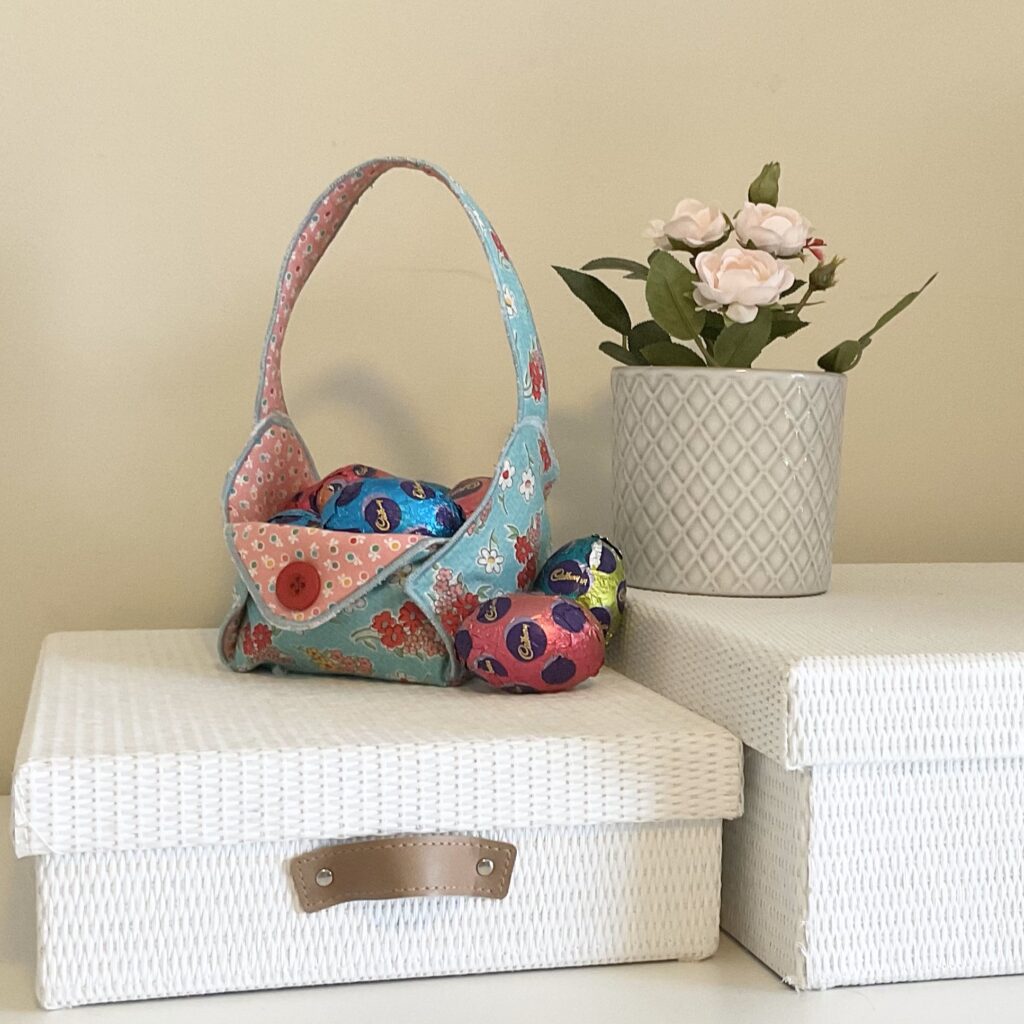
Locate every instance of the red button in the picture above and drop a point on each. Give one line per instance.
(298, 585)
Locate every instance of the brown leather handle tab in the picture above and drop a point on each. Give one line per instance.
(403, 866)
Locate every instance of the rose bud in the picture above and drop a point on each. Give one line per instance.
(824, 274)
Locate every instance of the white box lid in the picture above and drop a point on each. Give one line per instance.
(137, 740)
(895, 663)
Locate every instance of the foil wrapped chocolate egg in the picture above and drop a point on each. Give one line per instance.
(313, 497)
(531, 643)
(588, 570)
(468, 493)
(296, 517)
(388, 505)
(357, 471)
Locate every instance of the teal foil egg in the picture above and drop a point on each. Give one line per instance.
(390, 505)
(588, 570)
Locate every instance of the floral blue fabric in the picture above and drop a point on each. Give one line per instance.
(400, 627)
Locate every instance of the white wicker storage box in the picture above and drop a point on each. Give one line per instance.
(883, 833)
(164, 797)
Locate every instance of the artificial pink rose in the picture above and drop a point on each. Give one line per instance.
(738, 281)
(779, 230)
(694, 225)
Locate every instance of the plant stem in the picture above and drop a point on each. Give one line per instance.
(704, 351)
(803, 302)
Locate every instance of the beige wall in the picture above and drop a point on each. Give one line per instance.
(155, 159)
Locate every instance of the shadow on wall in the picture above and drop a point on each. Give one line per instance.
(581, 436)
(370, 397)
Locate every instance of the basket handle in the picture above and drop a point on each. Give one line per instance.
(321, 224)
(400, 867)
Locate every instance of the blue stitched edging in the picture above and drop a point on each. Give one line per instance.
(275, 419)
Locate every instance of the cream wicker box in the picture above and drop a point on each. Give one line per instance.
(883, 836)
(163, 799)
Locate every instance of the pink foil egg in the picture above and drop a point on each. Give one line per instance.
(468, 493)
(531, 643)
(315, 496)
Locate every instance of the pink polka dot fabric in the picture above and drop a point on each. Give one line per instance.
(322, 224)
(274, 468)
(345, 562)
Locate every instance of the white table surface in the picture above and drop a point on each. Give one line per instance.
(731, 987)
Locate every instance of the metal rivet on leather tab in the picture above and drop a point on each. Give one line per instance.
(324, 877)
(484, 866)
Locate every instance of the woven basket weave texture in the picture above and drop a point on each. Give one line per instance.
(602, 894)
(884, 725)
(163, 796)
(138, 740)
(866, 874)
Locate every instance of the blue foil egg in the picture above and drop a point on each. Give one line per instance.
(390, 505)
(296, 517)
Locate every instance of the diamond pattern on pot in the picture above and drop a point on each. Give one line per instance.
(725, 482)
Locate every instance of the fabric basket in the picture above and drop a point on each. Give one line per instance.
(181, 818)
(884, 732)
(387, 605)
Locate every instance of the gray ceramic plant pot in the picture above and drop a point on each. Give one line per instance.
(724, 482)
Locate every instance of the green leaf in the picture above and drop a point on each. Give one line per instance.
(794, 287)
(714, 324)
(621, 353)
(865, 339)
(599, 298)
(670, 297)
(740, 344)
(668, 353)
(635, 271)
(785, 323)
(645, 333)
(765, 187)
(845, 356)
